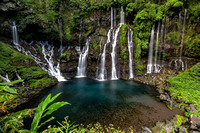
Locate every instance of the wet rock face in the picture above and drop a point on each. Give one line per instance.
(195, 122)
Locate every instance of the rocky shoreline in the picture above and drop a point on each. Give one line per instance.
(159, 81)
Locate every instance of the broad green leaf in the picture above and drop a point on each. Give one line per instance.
(24, 131)
(10, 90)
(40, 110)
(13, 82)
(46, 122)
(37, 117)
(54, 107)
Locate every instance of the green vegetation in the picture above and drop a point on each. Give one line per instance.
(14, 122)
(186, 86)
(123, 43)
(124, 56)
(65, 55)
(41, 83)
(10, 58)
(123, 35)
(95, 45)
(12, 61)
(174, 124)
(39, 49)
(7, 95)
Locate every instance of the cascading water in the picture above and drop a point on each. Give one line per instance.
(161, 41)
(15, 37)
(19, 78)
(156, 65)
(130, 49)
(150, 57)
(113, 53)
(179, 63)
(5, 79)
(183, 32)
(60, 35)
(82, 63)
(103, 72)
(48, 52)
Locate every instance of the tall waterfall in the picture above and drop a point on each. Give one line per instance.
(183, 32)
(156, 65)
(48, 52)
(82, 63)
(150, 57)
(161, 41)
(130, 50)
(103, 72)
(15, 37)
(113, 53)
(61, 49)
(179, 64)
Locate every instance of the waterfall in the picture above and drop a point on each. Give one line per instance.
(19, 78)
(150, 57)
(5, 79)
(15, 37)
(82, 63)
(103, 72)
(113, 53)
(161, 40)
(111, 17)
(61, 49)
(122, 15)
(156, 65)
(130, 49)
(48, 52)
(183, 32)
(179, 63)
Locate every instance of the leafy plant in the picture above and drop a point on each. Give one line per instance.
(186, 86)
(42, 111)
(14, 122)
(7, 95)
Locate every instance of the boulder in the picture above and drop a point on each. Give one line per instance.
(163, 97)
(192, 107)
(195, 122)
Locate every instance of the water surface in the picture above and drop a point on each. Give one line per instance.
(118, 102)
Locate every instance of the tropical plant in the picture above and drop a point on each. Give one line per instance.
(14, 122)
(7, 95)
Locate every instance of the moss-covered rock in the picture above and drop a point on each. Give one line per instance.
(12, 61)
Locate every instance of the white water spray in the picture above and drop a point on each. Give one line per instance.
(103, 72)
(5, 79)
(130, 49)
(48, 52)
(113, 53)
(179, 63)
(15, 37)
(150, 57)
(157, 67)
(82, 63)
(183, 32)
